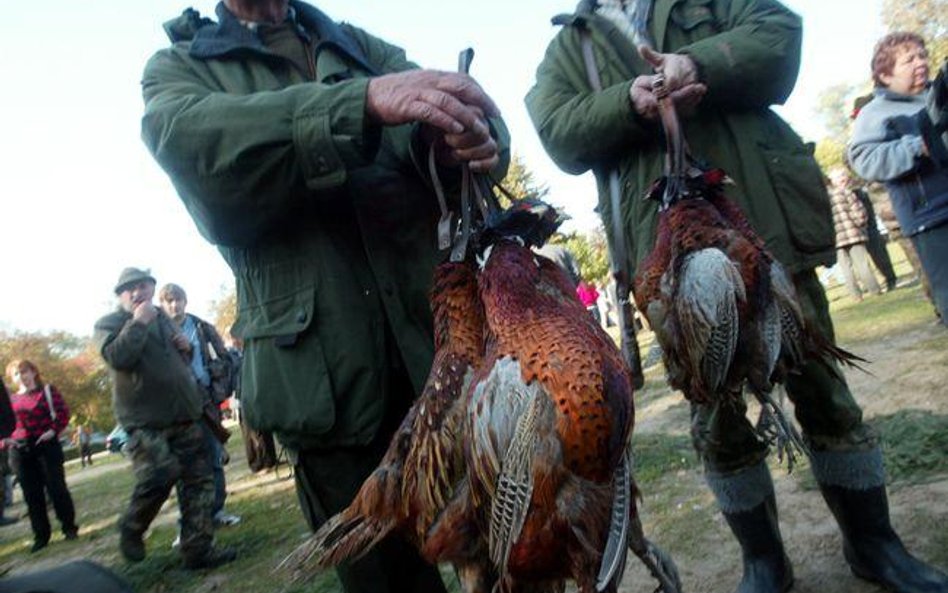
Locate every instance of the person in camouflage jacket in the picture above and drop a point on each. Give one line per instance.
(158, 401)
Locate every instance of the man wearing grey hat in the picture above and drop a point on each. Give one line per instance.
(156, 398)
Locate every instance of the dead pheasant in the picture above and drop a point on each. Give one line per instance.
(550, 416)
(723, 309)
(424, 463)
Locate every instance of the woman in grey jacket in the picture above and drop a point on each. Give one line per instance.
(888, 145)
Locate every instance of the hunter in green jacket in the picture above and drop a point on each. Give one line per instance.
(300, 146)
(726, 62)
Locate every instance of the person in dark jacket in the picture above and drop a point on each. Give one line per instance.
(206, 349)
(7, 424)
(725, 63)
(876, 245)
(300, 146)
(36, 453)
(158, 401)
(888, 145)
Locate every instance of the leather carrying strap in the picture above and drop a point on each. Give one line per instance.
(617, 247)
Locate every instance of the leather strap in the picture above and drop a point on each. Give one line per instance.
(617, 247)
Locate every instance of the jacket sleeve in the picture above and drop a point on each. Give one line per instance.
(754, 60)
(391, 58)
(122, 346)
(875, 156)
(214, 339)
(240, 161)
(7, 418)
(578, 127)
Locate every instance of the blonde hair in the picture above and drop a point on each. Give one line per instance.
(172, 291)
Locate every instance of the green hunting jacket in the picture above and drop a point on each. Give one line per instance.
(748, 52)
(152, 384)
(327, 221)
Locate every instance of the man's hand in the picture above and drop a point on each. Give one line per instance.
(679, 69)
(474, 146)
(645, 102)
(452, 106)
(48, 435)
(181, 342)
(144, 313)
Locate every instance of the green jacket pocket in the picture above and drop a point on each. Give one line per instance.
(802, 197)
(285, 379)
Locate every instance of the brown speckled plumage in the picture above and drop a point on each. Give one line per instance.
(549, 361)
(416, 478)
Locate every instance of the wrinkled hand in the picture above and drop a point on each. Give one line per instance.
(452, 106)
(679, 69)
(48, 435)
(144, 313)
(645, 102)
(474, 146)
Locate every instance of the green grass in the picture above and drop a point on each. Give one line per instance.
(914, 444)
(656, 455)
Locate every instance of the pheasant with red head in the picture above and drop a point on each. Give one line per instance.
(550, 416)
(723, 309)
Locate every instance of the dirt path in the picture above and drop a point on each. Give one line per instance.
(904, 377)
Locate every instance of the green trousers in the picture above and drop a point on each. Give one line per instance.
(830, 418)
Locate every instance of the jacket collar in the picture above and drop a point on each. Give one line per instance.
(624, 54)
(885, 93)
(585, 14)
(210, 40)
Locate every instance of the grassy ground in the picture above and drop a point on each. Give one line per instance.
(677, 506)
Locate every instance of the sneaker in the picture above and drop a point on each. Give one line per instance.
(213, 559)
(224, 519)
(132, 546)
(38, 545)
(71, 534)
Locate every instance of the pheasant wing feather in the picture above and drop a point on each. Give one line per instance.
(514, 486)
(708, 292)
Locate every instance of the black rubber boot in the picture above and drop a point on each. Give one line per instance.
(766, 566)
(212, 559)
(872, 548)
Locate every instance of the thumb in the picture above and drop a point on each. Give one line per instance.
(651, 56)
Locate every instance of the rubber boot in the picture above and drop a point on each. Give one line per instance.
(211, 559)
(870, 545)
(749, 506)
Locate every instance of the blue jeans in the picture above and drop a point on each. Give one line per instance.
(215, 453)
(212, 448)
(932, 248)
